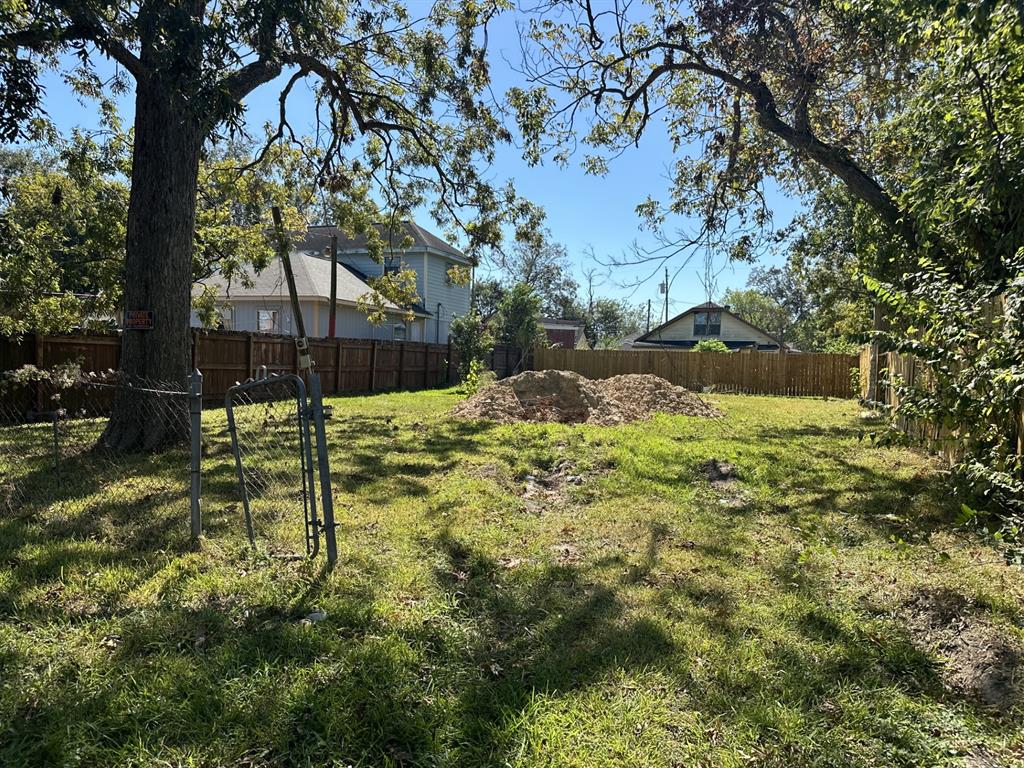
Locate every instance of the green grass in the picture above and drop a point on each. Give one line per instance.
(637, 616)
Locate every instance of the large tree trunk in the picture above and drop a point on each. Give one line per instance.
(158, 267)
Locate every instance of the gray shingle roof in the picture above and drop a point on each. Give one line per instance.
(312, 278)
(318, 239)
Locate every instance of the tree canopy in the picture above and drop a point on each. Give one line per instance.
(914, 112)
(64, 209)
(403, 118)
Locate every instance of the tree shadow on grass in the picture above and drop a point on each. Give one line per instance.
(367, 450)
(557, 631)
(562, 629)
(235, 680)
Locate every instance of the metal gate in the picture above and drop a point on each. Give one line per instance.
(272, 421)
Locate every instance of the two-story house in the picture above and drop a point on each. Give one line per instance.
(264, 305)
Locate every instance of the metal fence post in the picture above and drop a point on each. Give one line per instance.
(195, 407)
(56, 444)
(323, 468)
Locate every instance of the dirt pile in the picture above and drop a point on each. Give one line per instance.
(567, 397)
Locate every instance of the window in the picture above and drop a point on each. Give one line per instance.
(398, 332)
(267, 320)
(227, 317)
(707, 323)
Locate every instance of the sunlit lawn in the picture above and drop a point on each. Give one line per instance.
(521, 595)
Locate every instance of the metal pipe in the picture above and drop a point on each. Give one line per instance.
(323, 469)
(195, 407)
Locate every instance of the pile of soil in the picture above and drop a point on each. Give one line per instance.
(567, 397)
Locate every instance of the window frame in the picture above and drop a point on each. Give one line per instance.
(711, 325)
(275, 320)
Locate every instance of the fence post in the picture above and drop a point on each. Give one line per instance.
(195, 408)
(401, 364)
(337, 369)
(250, 343)
(37, 347)
(323, 468)
(373, 365)
(56, 442)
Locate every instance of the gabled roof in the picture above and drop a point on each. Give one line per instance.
(312, 280)
(318, 239)
(651, 337)
(560, 322)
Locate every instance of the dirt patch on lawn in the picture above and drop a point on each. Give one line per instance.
(979, 660)
(723, 479)
(543, 490)
(721, 474)
(567, 397)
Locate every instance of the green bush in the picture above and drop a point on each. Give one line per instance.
(470, 340)
(710, 345)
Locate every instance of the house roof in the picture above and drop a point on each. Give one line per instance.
(560, 322)
(312, 279)
(318, 238)
(651, 337)
(563, 324)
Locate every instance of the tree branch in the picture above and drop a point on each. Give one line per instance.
(242, 82)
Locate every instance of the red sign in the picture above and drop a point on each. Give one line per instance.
(138, 320)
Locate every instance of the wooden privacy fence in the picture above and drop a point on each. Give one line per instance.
(225, 357)
(909, 370)
(756, 373)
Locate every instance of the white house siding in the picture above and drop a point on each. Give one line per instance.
(733, 329)
(351, 323)
(454, 299)
(244, 315)
(362, 262)
(431, 286)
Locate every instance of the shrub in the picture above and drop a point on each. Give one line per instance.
(971, 350)
(710, 345)
(476, 378)
(517, 320)
(471, 341)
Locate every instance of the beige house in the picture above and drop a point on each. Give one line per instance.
(709, 321)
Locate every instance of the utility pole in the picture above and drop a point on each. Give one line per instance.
(648, 315)
(334, 286)
(283, 251)
(666, 294)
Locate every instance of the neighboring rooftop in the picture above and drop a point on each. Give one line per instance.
(560, 322)
(318, 239)
(653, 336)
(312, 279)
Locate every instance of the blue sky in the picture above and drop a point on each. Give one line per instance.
(583, 212)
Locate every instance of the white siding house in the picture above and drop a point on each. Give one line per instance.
(708, 321)
(264, 305)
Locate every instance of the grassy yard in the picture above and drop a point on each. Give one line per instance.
(530, 595)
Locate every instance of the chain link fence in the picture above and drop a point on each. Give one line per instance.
(269, 427)
(135, 479)
(64, 459)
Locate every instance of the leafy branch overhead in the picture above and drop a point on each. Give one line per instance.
(805, 94)
(63, 212)
(402, 113)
